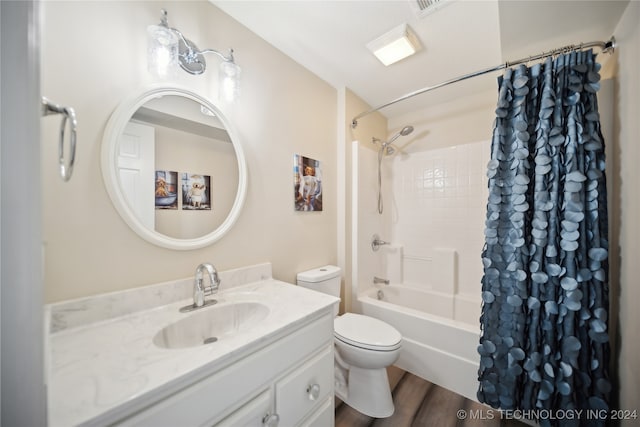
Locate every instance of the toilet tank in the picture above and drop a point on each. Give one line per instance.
(322, 279)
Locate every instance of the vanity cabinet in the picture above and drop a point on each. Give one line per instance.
(287, 382)
(300, 392)
(303, 396)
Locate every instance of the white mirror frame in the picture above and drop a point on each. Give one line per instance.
(114, 129)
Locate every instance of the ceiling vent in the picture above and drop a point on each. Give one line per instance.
(423, 8)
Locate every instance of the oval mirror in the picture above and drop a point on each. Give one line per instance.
(174, 168)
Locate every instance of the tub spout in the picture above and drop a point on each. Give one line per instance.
(377, 280)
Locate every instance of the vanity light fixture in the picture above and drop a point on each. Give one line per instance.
(394, 45)
(167, 47)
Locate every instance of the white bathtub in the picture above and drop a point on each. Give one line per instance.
(434, 347)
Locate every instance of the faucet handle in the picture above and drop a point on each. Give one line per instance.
(215, 281)
(376, 242)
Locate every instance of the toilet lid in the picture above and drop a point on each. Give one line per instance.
(366, 332)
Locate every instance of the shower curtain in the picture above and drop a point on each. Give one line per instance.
(544, 345)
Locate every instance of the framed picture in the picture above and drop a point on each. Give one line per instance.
(196, 192)
(307, 184)
(166, 190)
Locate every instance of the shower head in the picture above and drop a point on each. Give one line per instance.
(385, 146)
(404, 132)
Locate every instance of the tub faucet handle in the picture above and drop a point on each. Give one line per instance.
(376, 243)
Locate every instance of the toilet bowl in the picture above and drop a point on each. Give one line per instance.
(364, 348)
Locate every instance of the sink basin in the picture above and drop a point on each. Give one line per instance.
(210, 325)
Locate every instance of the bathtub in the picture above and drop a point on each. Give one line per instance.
(434, 347)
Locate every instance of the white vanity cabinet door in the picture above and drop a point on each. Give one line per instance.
(306, 388)
(323, 417)
(252, 413)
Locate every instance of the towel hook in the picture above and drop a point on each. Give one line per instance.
(68, 114)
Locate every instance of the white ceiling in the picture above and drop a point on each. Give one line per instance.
(461, 36)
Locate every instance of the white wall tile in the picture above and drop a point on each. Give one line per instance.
(445, 207)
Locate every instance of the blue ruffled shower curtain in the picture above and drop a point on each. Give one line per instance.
(544, 345)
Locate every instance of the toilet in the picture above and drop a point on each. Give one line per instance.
(364, 348)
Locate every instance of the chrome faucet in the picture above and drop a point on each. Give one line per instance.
(377, 280)
(200, 291)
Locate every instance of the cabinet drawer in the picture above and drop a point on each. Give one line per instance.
(306, 388)
(252, 413)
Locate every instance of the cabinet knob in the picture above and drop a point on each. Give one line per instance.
(313, 391)
(271, 420)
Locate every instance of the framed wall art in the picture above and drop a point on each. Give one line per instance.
(196, 192)
(307, 184)
(166, 190)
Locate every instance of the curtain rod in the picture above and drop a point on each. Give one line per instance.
(607, 47)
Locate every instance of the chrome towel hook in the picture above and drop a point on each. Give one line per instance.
(68, 114)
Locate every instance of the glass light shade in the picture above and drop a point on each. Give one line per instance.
(229, 81)
(162, 51)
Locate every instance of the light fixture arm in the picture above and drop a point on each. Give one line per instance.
(227, 58)
(190, 57)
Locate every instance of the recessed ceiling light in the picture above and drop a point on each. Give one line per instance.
(395, 45)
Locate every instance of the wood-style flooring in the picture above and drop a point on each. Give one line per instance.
(419, 403)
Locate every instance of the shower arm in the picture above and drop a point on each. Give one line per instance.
(606, 47)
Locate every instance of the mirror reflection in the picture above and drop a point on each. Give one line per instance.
(177, 167)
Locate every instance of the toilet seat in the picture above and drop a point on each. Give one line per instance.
(366, 332)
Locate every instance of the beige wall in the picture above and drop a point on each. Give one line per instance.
(626, 212)
(93, 56)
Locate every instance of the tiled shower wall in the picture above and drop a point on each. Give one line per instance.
(439, 201)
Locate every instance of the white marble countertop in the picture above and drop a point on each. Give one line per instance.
(104, 370)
